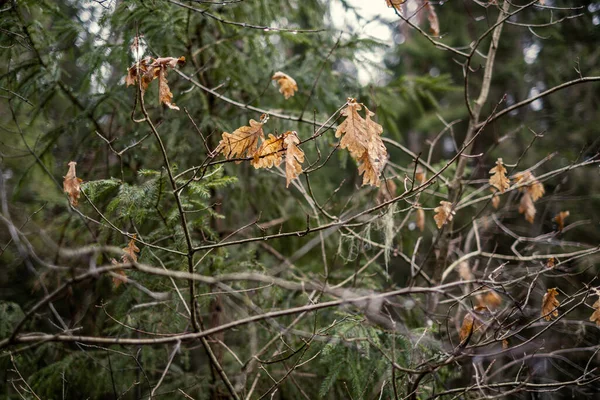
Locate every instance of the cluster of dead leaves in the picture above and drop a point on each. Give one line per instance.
(287, 84)
(550, 304)
(532, 191)
(243, 142)
(361, 136)
(149, 69)
(72, 184)
(130, 253)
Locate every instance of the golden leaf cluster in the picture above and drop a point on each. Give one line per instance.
(532, 191)
(361, 137)
(550, 304)
(149, 69)
(243, 142)
(72, 184)
(444, 213)
(287, 84)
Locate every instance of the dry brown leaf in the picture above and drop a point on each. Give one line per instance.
(164, 92)
(532, 186)
(504, 344)
(551, 262)
(242, 142)
(169, 61)
(130, 251)
(420, 218)
(560, 219)
(395, 3)
(492, 300)
(444, 213)
(361, 136)
(595, 317)
(121, 278)
(472, 321)
(550, 304)
(287, 84)
(387, 191)
(434, 22)
(72, 184)
(498, 178)
(270, 153)
(354, 133)
(526, 207)
(495, 198)
(294, 156)
(420, 175)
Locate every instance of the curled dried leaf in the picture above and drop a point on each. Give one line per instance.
(149, 69)
(444, 213)
(164, 92)
(495, 198)
(242, 142)
(120, 277)
(294, 157)
(473, 321)
(560, 219)
(395, 3)
(492, 300)
(420, 218)
(386, 192)
(595, 317)
(526, 207)
(72, 184)
(270, 153)
(551, 262)
(287, 84)
(550, 304)
(130, 251)
(532, 186)
(498, 178)
(434, 22)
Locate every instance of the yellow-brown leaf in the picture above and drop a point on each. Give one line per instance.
(473, 321)
(444, 213)
(420, 219)
(395, 3)
(560, 219)
(164, 92)
(287, 84)
(242, 142)
(495, 198)
(498, 178)
(526, 207)
(550, 304)
(294, 156)
(270, 153)
(534, 187)
(492, 300)
(72, 184)
(353, 130)
(595, 317)
(130, 251)
(121, 276)
(434, 23)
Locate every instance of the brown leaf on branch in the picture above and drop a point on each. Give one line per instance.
(498, 178)
(362, 139)
(242, 142)
(164, 92)
(287, 84)
(130, 251)
(526, 207)
(560, 219)
(532, 186)
(294, 156)
(387, 191)
(420, 218)
(72, 184)
(595, 317)
(472, 322)
(121, 278)
(492, 300)
(495, 198)
(550, 304)
(434, 23)
(444, 213)
(395, 3)
(269, 153)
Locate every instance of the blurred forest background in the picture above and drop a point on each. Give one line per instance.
(63, 97)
